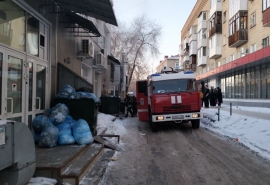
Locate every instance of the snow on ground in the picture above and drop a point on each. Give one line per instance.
(249, 131)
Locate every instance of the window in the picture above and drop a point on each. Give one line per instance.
(218, 63)
(266, 4)
(237, 22)
(176, 65)
(231, 58)
(252, 48)
(265, 42)
(224, 16)
(204, 51)
(253, 19)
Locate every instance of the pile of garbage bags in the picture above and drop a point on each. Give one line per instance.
(56, 126)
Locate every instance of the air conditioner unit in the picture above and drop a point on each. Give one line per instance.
(100, 59)
(87, 47)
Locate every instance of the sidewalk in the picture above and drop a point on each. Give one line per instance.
(259, 115)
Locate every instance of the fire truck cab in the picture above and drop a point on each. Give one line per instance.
(173, 97)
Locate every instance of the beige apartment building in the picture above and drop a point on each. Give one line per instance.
(169, 62)
(226, 43)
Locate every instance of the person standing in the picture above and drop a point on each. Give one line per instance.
(128, 102)
(212, 97)
(219, 96)
(201, 96)
(206, 97)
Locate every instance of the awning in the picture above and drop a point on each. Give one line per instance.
(81, 22)
(99, 9)
(114, 60)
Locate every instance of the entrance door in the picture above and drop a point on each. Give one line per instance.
(24, 86)
(12, 85)
(36, 89)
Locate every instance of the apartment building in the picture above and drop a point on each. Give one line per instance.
(231, 39)
(172, 62)
(47, 44)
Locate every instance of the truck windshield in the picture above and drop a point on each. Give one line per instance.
(176, 85)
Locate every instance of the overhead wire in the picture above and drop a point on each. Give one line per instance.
(132, 7)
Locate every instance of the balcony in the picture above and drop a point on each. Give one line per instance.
(201, 61)
(193, 48)
(202, 43)
(217, 29)
(186, 59)
(266, 18)
(217, 6)
(192, 59)
(215, 51)
(238, 38)
(186, 48)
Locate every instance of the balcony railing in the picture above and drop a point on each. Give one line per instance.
(238, 38)
(216, 29)
(266, 18)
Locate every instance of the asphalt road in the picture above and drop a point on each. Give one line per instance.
(180, 155)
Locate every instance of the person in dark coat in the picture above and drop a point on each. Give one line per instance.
(134, 105)
(128, 102)
(212, 97)
(206, 96)
(219, 97)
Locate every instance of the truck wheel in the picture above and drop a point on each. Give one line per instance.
(195, 123)
(153, 126)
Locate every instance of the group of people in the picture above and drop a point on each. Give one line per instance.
(131, 105)
(212, 96)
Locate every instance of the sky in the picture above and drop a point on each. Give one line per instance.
(171, 15)
(249, 131)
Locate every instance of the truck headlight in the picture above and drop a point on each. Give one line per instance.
(195, 115)
(160, 118)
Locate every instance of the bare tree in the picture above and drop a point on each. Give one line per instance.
(139, 41)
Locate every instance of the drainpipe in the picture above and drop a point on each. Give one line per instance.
(124, 74)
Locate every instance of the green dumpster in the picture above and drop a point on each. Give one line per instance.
(84, 108)
(109, 104)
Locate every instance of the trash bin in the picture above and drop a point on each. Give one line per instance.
(109, 104)
(84, 108)
(122, 106)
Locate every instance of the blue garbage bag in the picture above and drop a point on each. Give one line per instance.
(65, 92)
(47, 112)
(75, 95)
(39, 122)
(88, 95)
(37, 138)
(81, 132)
(65, 136)
(48, 136)
(59, 114)
(70, 120)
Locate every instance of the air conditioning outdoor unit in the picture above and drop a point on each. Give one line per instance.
(87, 47)
(100, 59)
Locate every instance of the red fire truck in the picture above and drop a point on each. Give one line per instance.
(169, 96)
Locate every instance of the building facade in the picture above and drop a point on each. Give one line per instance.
(45, 45)
(232, 42)
(168, 62)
